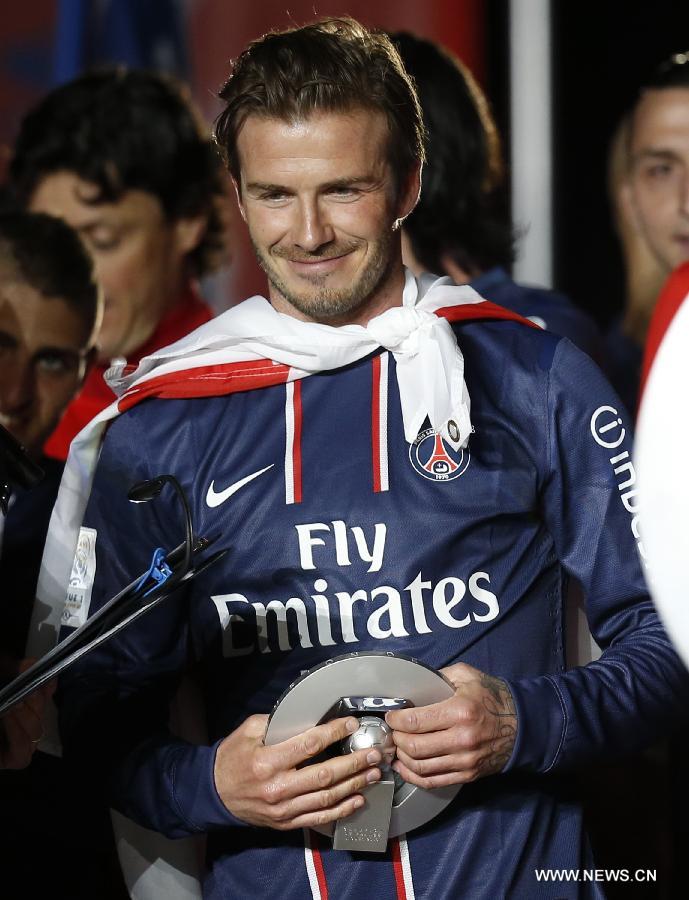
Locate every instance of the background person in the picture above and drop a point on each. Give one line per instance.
(124, 158)
(50, 310)
(649, 183)
(461, 226)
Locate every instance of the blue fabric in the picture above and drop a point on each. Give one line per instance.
(23, 537)
(146, 34)
(547, 308)
(472, 568)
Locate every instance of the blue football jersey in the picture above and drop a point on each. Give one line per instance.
(344, 537)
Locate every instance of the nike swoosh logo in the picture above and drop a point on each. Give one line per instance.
(214, 499)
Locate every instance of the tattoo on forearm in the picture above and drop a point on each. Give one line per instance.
(499, 703)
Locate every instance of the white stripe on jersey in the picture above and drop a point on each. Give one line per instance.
(406, 867)
(383, 422)
(289, 442)
(311, 866)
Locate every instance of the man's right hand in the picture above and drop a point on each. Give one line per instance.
(264, 786)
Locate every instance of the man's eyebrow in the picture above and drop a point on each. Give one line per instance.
(68, 354)
(266, 187)
(349, 181)
(656, 153)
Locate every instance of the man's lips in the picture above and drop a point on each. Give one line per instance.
(317, 265)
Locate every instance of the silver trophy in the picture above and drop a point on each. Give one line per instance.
(367, 685)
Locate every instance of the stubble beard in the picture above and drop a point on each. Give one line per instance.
(323, 303)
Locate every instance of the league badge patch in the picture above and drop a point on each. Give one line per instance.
(435, 459)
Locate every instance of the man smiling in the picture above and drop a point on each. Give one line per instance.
(432, 468)
(319, 204)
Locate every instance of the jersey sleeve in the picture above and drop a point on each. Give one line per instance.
(638, 688)
(114, 703)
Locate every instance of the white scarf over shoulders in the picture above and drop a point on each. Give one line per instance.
(430, 374)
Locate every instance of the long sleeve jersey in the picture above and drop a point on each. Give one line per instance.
(343, 536)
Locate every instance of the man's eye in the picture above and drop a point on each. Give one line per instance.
(274, 196)
(343, 192)
(54, 364)
(659, 170)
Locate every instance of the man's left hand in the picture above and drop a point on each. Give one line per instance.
(469, 736)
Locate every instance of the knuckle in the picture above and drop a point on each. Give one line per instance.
(255, 722)
(326, 799)
(355, 763)
(422, 766)
(312, 744)
(273, 793)
(325, 776)
(282, 813)
(475, 712)
(261, 768)
(467, 738)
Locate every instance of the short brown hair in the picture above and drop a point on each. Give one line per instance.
(332, 65)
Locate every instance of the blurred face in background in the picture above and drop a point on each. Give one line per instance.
(139, 255)
(44, 355)
(659, 173)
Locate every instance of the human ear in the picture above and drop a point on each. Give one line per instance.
(410, 190)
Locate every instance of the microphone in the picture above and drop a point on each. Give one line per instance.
(144, 491)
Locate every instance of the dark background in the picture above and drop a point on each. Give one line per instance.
(602, 51)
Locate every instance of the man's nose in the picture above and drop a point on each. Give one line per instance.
(312, 228)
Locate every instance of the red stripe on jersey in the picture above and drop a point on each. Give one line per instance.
(208, 381)
(296, 445)
(478, 311)
(397, 869)
(318, 865)
(375, 424)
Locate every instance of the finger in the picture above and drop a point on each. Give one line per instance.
(421, 719)
(461, 673)
(426, 746)
(430, 782)
(333, 771)
(326, 816)
(312, 742)
(254, 727)
(326, 798)
(439, 765)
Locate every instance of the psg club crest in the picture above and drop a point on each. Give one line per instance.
(435, 459)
